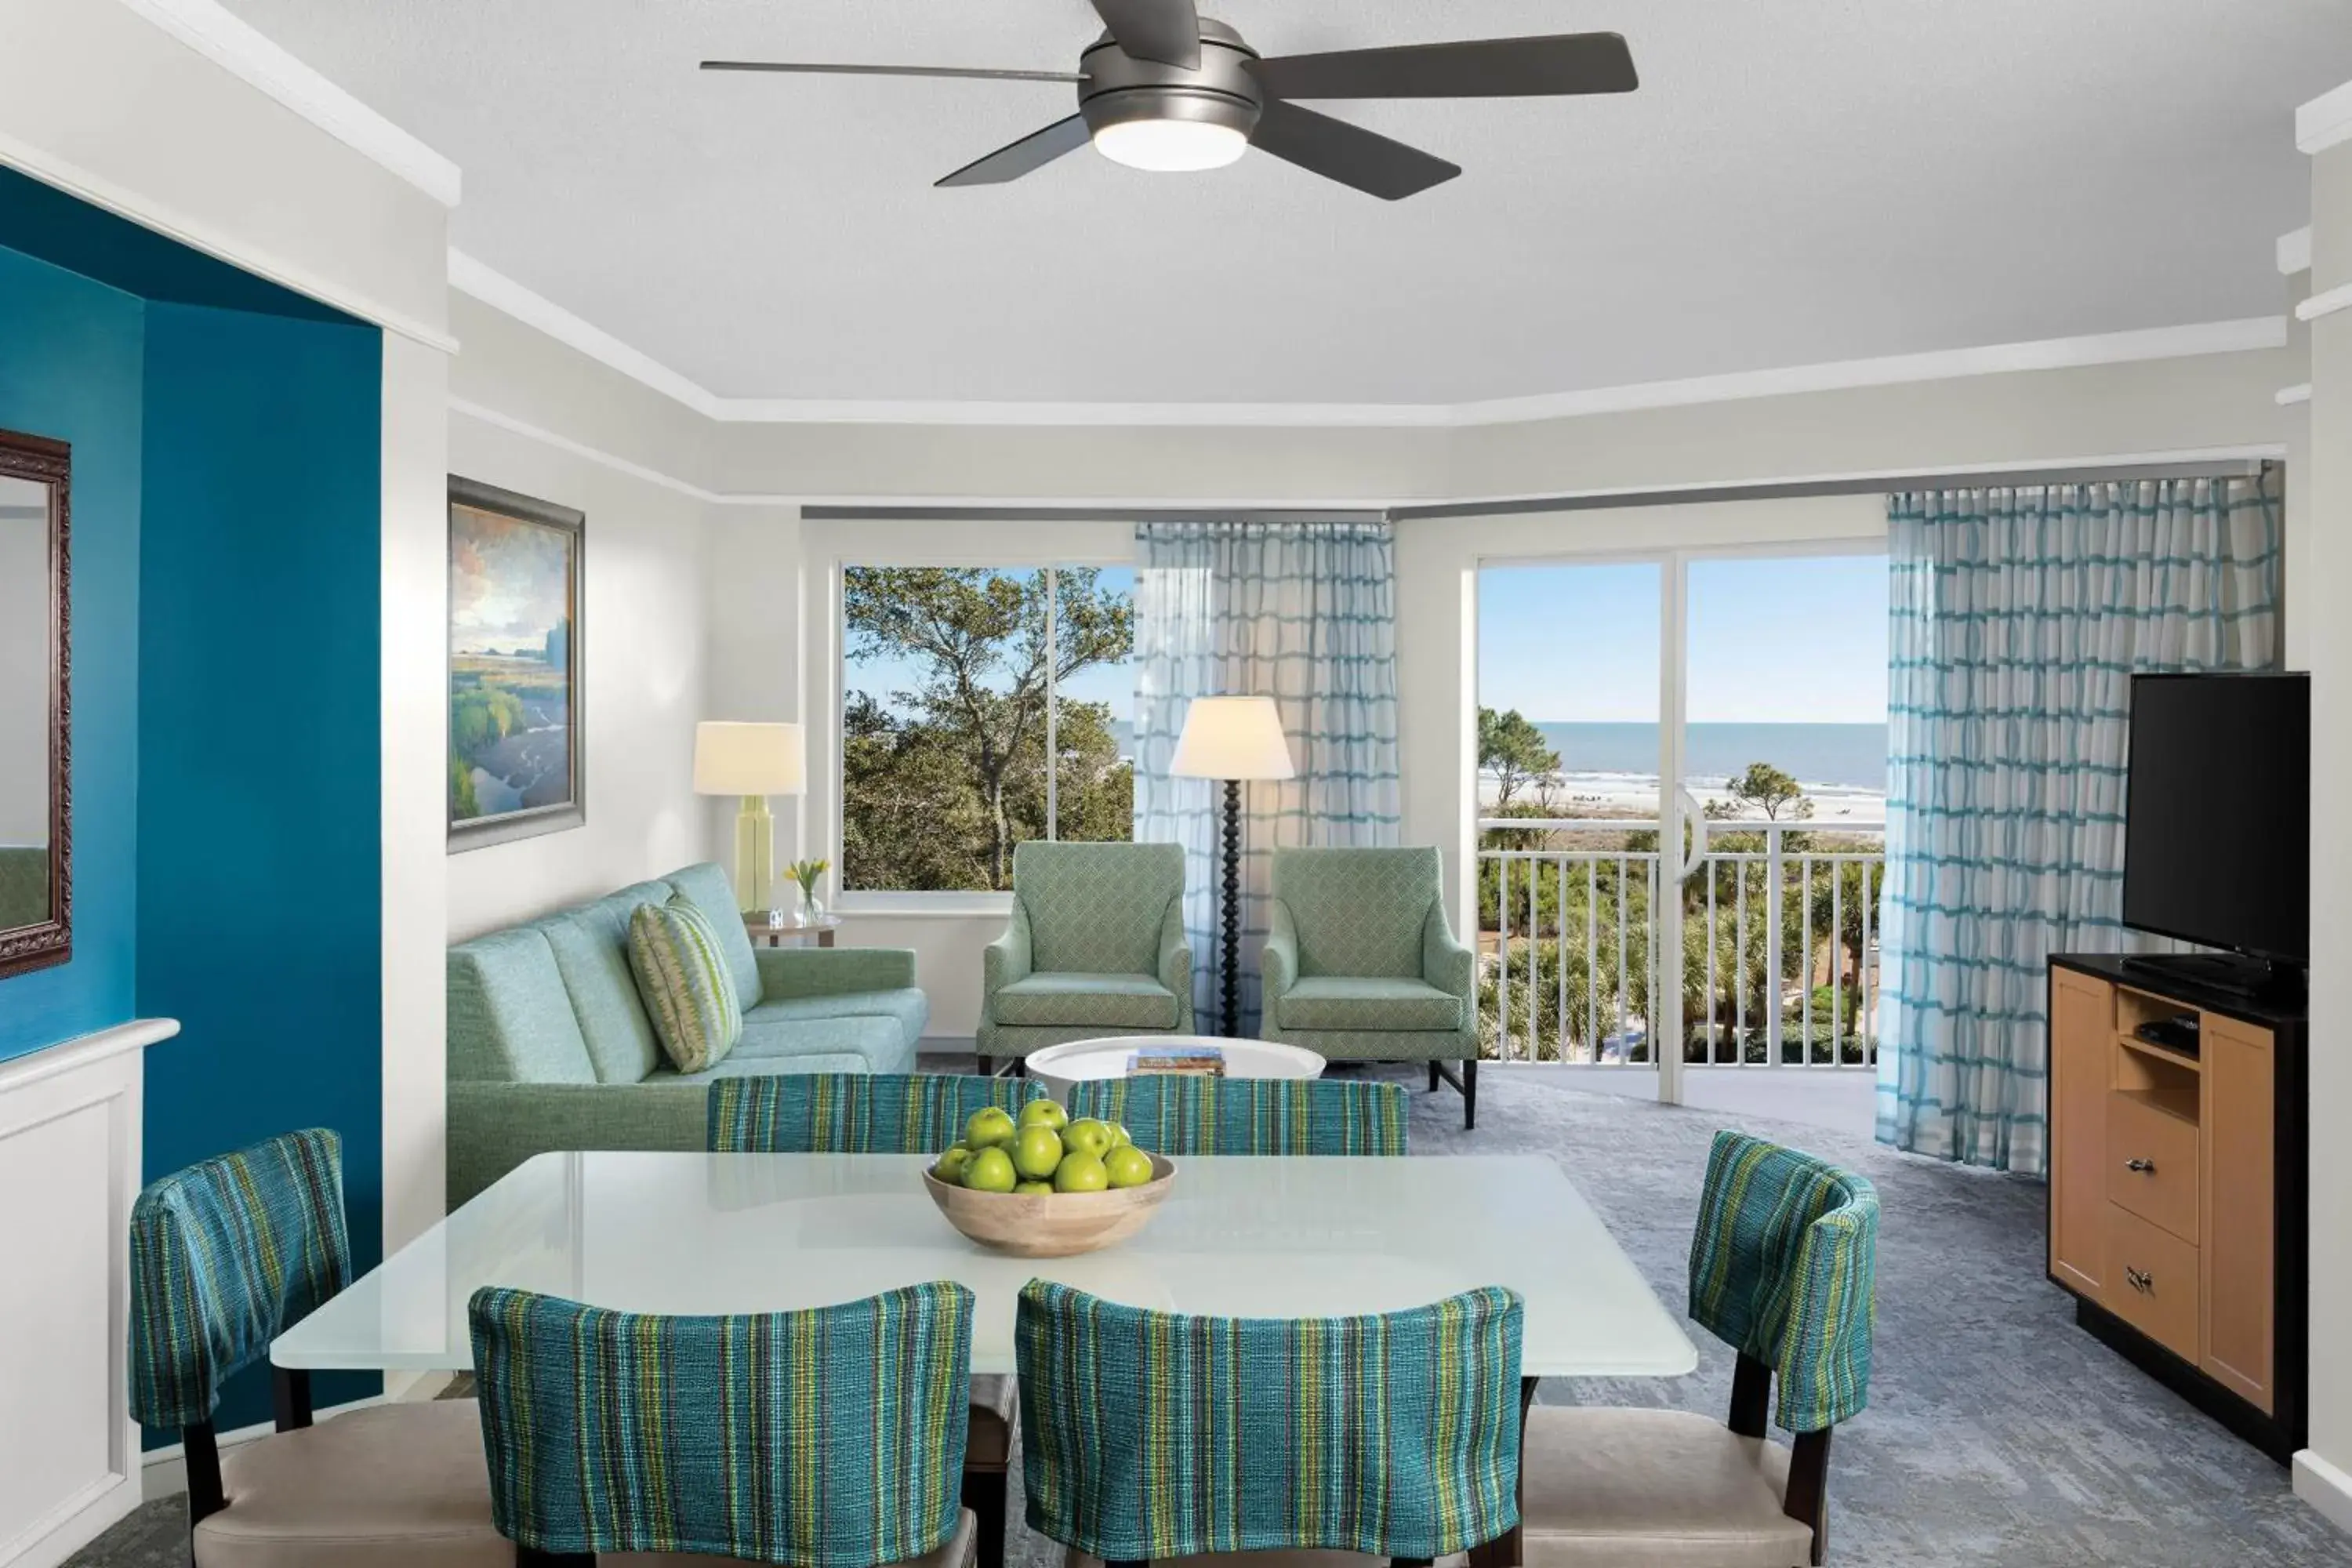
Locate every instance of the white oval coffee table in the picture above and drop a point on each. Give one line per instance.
(1063, 1067)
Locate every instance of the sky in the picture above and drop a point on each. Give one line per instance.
(1114, 684)
(1789, 640)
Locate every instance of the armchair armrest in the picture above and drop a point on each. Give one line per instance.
(832, 971)
(1175, 952)
(1006, 959)
(1278, 964)
(1445, 963)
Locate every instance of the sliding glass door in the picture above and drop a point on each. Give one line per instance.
(1756, 684)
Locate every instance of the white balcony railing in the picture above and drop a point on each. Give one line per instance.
(1780, 926)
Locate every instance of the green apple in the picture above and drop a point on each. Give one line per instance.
(1044, 1113)
(1034, 1189)
(1081, 1173)
(989, 1171)
(1118, 1137)
(1128, 1166)
(1086, 1136)
(1035, 1151)
(990, 1127)
(951, 1166)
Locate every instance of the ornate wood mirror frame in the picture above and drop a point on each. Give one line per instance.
(36, 932)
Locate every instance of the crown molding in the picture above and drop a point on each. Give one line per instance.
(2325, 303)
(580, 449)
(173, 224)
(2288, 396)
(2325, 120)
(2294, 252)
(501, 293)
(237, 47)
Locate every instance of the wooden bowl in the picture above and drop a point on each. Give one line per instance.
(1053, 1225)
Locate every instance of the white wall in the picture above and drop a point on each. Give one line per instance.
(2324, 1472)
(24, 655)
(1437, 566)
(642, 686)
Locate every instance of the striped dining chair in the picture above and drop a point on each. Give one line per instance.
(1782, 1269)
(1149, 1436)
(888, 1113)
(226, 1255)
(825, 1438)
(1178, 1114)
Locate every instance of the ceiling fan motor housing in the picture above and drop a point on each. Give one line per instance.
(1119, 88)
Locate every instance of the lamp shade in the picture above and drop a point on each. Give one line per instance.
(1233, 738)
(749, 758)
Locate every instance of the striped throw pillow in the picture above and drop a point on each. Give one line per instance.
(682, 975)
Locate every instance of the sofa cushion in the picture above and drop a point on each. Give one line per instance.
(707, 887)
(1332, 1002)
(1359, 911)
(592, 952)
(511, 1019)
(675, 956)
(906, 1006)
(878, 1041)
(1112, 1001)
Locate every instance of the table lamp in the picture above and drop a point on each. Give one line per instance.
(753, 760)
(1233, 738)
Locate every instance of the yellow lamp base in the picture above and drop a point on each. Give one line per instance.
(755, 854)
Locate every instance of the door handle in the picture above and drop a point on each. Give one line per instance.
(2143, 1283)
(2145, 1167)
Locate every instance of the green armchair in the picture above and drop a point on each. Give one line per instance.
(1095, 947)
(1360, 965)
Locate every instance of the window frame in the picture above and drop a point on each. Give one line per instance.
(942, 903)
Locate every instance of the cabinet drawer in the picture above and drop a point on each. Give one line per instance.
(2152, 1163)
(2151, 1281)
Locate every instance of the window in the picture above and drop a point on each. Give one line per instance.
(982, 706)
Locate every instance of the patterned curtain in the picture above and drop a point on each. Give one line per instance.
(1305, 612)
(2018, 618)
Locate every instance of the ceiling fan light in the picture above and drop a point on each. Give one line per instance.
(1170, 146)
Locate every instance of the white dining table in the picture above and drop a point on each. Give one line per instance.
(684, 1233)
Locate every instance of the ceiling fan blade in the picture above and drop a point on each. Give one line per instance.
(1487, 67)
(1025, 156)
(1348, 153)
(1168, 31)
(798, 67)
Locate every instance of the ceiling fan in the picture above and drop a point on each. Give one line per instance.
(1168, 90)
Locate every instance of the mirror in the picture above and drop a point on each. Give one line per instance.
(36, 840)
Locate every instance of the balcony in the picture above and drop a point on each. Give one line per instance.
(1780, 957)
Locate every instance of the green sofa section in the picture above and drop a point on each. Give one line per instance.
(1361, 964)
(1095, 946)
(552, 1048)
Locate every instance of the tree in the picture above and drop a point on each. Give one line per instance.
(943, 780)
(1765, 788)
(1514, 750)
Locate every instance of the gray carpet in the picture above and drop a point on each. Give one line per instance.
(1998, 1433)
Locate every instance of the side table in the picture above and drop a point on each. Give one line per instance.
(757, 926)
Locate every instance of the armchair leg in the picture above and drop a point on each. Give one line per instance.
(1433, 1077)
(1470, 1095)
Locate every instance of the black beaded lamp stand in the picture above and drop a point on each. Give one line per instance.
(1231, 965)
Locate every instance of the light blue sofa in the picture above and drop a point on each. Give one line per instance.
(551, 1046)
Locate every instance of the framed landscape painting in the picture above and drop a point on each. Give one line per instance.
(514, 667)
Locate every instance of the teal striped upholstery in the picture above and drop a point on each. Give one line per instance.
(1783, 1267)
(854, 1113)
(1146, 1435)
(827, 1438)
(1184, 1115)
(225, 1256)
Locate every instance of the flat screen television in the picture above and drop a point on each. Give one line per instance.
(2217, 815)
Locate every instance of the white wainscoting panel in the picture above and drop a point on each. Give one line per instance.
(68, 1171)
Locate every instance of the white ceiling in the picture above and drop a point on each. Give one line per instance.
(1796, 182)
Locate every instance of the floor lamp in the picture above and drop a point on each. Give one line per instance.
(754, 762)
(1236, 739)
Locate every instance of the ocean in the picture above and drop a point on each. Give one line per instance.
(1839, 756)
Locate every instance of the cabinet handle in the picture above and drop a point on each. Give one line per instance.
(2139, 1281)
(2145, 1167)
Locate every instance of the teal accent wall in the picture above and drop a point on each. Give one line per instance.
(226, 690)
(260, 899)
(72, 367)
